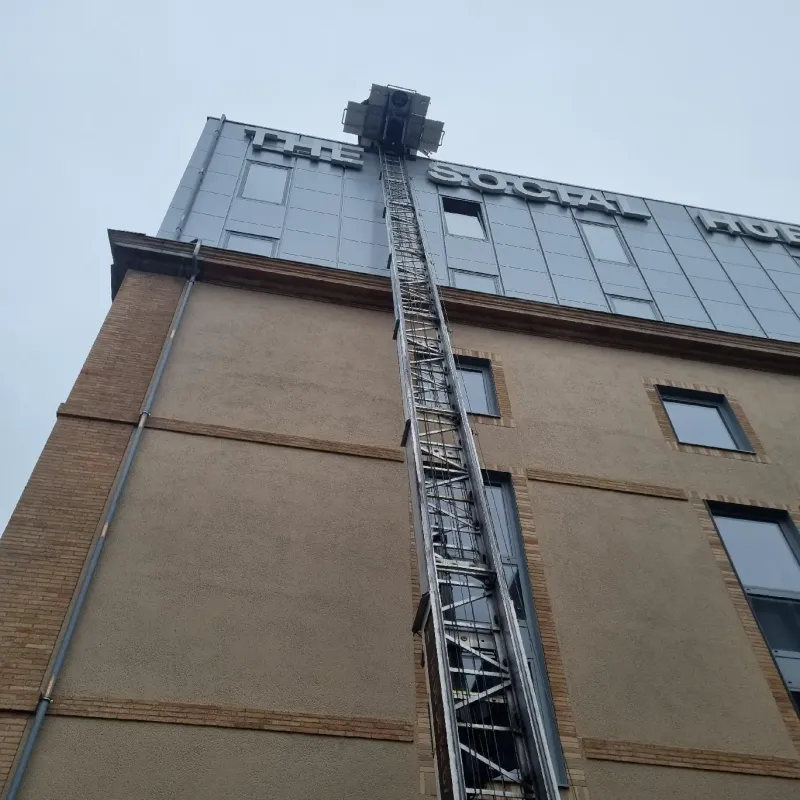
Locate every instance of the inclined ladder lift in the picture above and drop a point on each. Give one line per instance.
(488, 732)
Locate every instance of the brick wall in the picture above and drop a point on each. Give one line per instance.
(45, 545)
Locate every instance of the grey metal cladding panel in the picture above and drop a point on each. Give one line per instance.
(593, 216)
(365, 254)
(734, 255)
(227, 165)
(237, 226)
(232, 147)
(750, 276)
(689, 247)
(171, 220)
(469, 249)
(317, 181)
(619, 275)
(363, 209)
(571, 290)
(520, 258)
(668, 282)
(695, 323)
(203, 226)
(364, 187)
(426, 201)
(564, 245)
(526, 282)
(758, 297)
(462, 265)
(514, 236)
(314, 201)
(269, 214)
(269, 157)
(787, 282)
(646, 239)
(773, 247)
(777, 262)
(685, 308)
(509, 215)
(702, 268)
(724, 291)
(663, 211)
(627, 291)
(220, 184)
(211, 203)
(656, 260)
(793, 299)
(308, 245)
(675, 227)
(730, 314)
(298, 219)
(362, 231)
(431, 221)
(181, 197)
(189, 177)
(570, 266)
(549, 223)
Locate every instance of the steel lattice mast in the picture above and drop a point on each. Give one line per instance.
(488, 732)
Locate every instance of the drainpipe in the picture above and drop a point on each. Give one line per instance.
(46, 698)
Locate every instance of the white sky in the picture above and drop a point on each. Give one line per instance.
(102, 103)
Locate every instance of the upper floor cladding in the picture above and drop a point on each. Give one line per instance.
(319, 201)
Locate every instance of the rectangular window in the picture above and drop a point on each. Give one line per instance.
(764, 548)
(474, 281)
(463, 218)
(245, 243)
(703, 418)
(475, 377)
(266, 183)
(604, 243)
(632, 307)
(505, 522)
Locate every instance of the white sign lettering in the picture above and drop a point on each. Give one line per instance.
(752, 228)
(344, 155)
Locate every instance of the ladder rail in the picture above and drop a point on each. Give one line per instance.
(441, 456)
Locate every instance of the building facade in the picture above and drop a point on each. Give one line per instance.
(226, 480)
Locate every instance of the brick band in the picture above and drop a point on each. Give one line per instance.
(691, 758)
(391, 730)
(605, 484)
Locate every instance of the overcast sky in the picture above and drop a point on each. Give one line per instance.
(102, 103)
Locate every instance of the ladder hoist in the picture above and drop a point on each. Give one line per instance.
(487, 726)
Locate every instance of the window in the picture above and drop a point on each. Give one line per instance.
(505, 522)
(704, 419)
(265, 183)
(474, 282)
(463, 218)
(604, 243)
(244, 243)
(475, 377)
(633, 307)
(764, 548)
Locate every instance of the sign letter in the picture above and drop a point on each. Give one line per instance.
(790, 234)
(714, 222)
(441, 173)
(530, 190)
(487, 181)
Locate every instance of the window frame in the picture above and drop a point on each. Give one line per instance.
(583, 223)
(249, 167)
(718, 401)
(791, 535)
(479, 216)
(255, 236)
(484, 366)
(650, 303)
(493, 278)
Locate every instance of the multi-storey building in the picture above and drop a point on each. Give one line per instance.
(211, 586)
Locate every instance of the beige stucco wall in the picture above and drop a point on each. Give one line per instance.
(267, 362)
(242, 574)
(616, 781)
(81, 759)
(582, 408)
(653, 648)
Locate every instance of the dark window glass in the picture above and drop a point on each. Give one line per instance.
(265, 183)
(474, 282)
(760, 552)
(604, 243)
(463, 218)
(476, 380)
(632, 307)
(259, 245)
(502, 522)
(779, 620)
(699, 424)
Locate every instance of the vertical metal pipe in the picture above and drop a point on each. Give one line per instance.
(94, 556)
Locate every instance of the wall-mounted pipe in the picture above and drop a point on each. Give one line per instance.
(94, 557)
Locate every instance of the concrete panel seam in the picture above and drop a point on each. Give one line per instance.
(690, 758)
